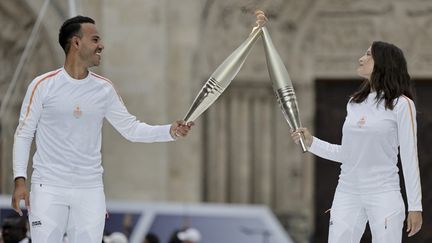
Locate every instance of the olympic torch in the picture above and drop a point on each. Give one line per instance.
(221, 77)
(282, 85)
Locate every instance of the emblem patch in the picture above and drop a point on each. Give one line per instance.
(77, 113)
(361, 122)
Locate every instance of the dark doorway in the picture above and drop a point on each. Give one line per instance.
(331, 99)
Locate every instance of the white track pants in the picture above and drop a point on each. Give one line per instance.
(56, 210)
(350, 213)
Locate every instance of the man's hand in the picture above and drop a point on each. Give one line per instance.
(261, 20)
(180, 129)
(20, 193)
(414, 222)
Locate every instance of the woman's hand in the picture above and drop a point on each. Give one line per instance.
(295, 135)
(261, 20)
(414, 222)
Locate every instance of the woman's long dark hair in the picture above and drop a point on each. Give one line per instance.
(389, 78)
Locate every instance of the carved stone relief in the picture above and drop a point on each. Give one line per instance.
(228, 23)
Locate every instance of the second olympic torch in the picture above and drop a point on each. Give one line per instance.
(282, 85)
(221, 77)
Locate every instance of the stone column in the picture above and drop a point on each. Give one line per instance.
(135, 59)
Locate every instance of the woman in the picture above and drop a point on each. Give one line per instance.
(380, 119)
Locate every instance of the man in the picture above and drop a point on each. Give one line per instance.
(66, 108)
(14, 230)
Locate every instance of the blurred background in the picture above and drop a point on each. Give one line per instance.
(159, 53)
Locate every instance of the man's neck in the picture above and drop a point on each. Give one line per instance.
(75, 68)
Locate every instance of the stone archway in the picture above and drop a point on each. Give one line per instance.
(18, 18)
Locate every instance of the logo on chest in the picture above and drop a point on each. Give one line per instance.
(77, 113)
(361, 122)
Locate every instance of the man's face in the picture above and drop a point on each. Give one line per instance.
(13, 231)
(91, 46)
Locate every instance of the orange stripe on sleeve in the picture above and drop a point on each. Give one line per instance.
(413, 130)
(109, 81)
(411, 116)
(34, 91)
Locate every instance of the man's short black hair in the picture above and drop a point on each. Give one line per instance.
(70, 28)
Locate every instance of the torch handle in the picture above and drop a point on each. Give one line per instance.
(302, 143)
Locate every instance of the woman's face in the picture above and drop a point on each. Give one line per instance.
(366, 65)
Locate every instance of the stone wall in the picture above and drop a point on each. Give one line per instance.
(159, 53)
(17, 19)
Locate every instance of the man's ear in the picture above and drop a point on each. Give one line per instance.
(75, 42)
